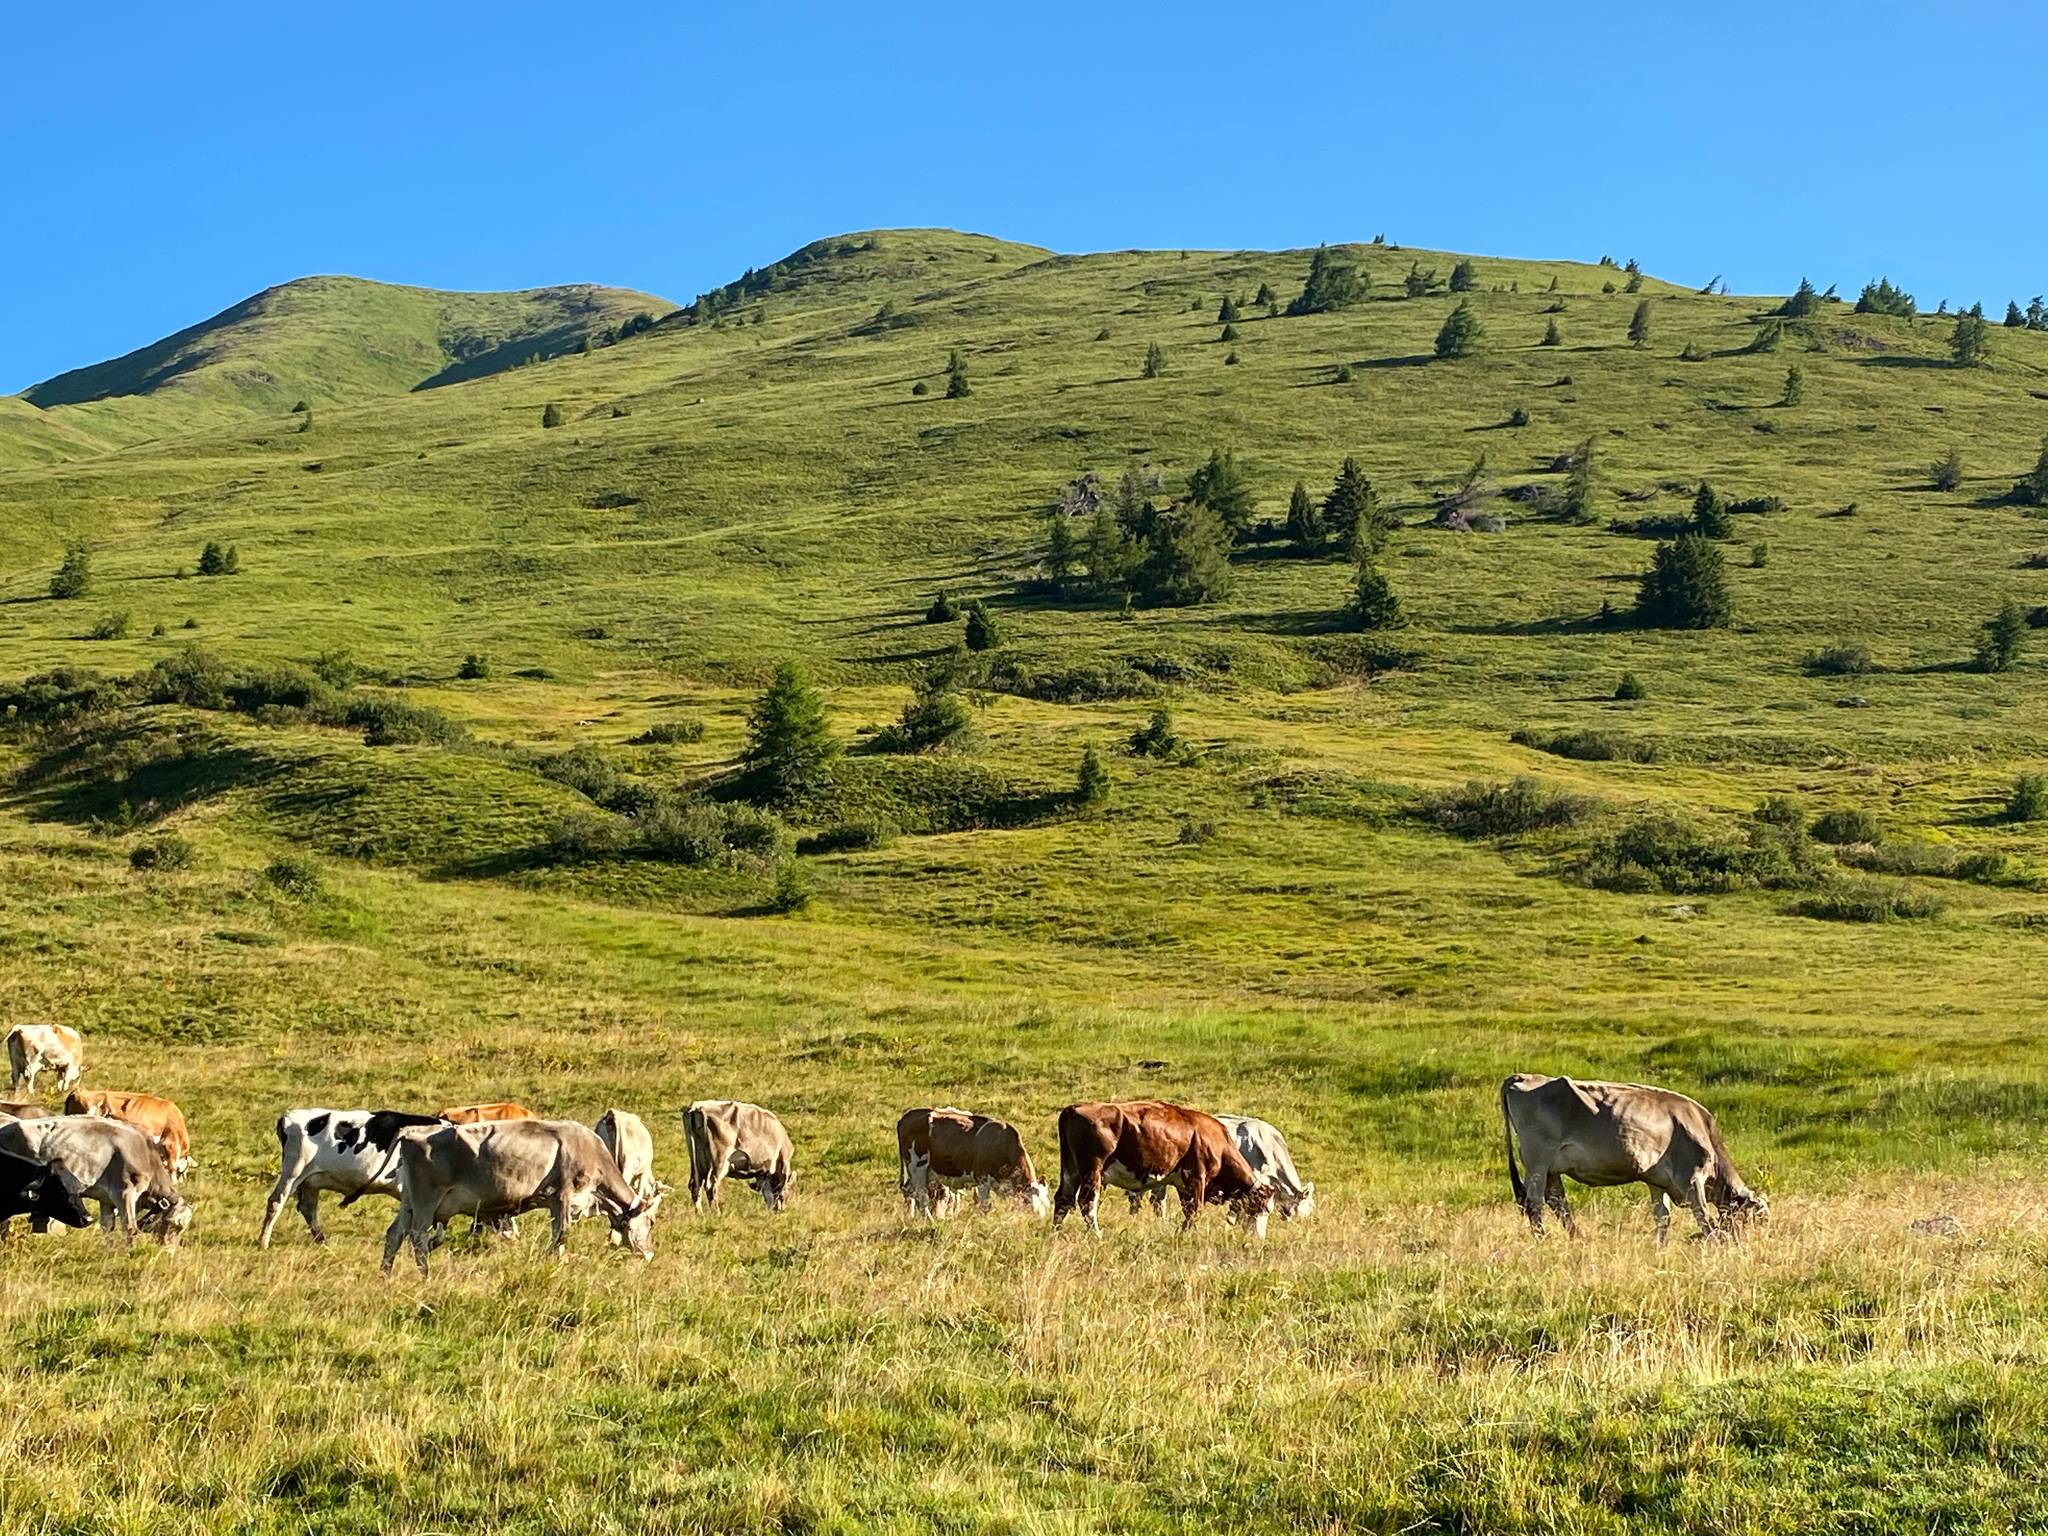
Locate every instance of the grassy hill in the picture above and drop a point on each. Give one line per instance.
(396, 760)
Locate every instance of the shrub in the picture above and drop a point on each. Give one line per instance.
(582, 835)
(791, 891)
(217, 561)
(670, 733)
(983, 633)
(111, 626)
(935, 717)
(1193, 833)
(2029, 798)
(551, 415)
(943, 609)
(1931, 859)
(1587, 746)
(1947, 473)
(1845, 658)
(1092, 781)
(2003, 637)
(166, 853)
(1506, 810)
(1630, 688)
(296, 875)
(1869, 901)
(474, 668)
(388, 722)
(1846, 824)
(74, 573)
(584, 769)
(1664, 852)
(1156, 738)
(850, 837)
(1518, 417)
(920, 388)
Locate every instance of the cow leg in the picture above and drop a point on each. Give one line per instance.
(1553, 1196)
(1535, 1180)
(308, 1202)
(1191, 1199)
(273, 1208)
(918, 1194)
(1696, 1202)
(1660, 1213)
(131, 1197)
(394, 1238)
(984, 1194)
(422, 1244)
(559, 1210)
(1089, 1194)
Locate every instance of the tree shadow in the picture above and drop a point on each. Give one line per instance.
(1894, 360)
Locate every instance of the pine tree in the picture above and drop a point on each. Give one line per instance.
(1970, 343)
(957, 387)
(1639, 325)
(551, 415)
(1304, 521)
(1463, 278)
(1947, 473)
(213, 560)
(1329, 286)
(1229, 333)
(1577, 501)
(1881, 298)
(231, 562)
(2032, 490)
(1059, 549)
(1092, 782)
(1106, 550)
(1460, 333)
(2037, 315)
(1552, 336)
(1795, 385)
(790, 745)
(982, 633)
(1418, 283)
(1264, 297)
(1351, 512)
(1226, 312)
(2003, 636)
(1188, 557)
(1155, 361)
(2015, 317)
(1220, 486)
(1686, 586)
(1373, 604)
(74, 572)
(1710, 519)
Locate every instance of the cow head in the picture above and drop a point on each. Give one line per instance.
(1037, 1198)
(165, 1215)
(1301, 1206)
(1741, 1207)
(635, 1226)
(1250, 1209)
(774, 1192)
(50, 1198)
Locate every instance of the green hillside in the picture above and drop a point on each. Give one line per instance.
(439, 798)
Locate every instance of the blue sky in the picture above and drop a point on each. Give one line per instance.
(163, 161)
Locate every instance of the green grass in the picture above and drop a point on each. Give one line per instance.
(1332, 956)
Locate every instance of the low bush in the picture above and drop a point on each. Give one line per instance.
(849, 837)
(1665, 852)
(670, 733)
(1986, 867)
(1588, 746)
(2029, 798)
(1869, 901)
(1194, 833)
(1156, 737)
(296, 875)
(791, 891)
(387, 722)
(163, 854)
(112, 626)
(1845, 658)
(1847, 824)
(1630, 689)
(1506, 809)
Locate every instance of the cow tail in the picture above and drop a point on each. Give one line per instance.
(1507, 1130)
(280, 1131)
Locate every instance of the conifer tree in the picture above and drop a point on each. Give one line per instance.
(1970, 343)
(1155, 361)
(74, 573)
(1552, 336)
(2032, 490)
(1351, 514)
(957, 387)
(1686, 586)
(1795, 385)
(551, 415)
(1226, 312)
(2004, 634)
(1304, 520)
(790, 745)
(1092, 782)
(1463, 278)
(1060, 551)
(1710, 519)
(1373, 603)
(1220, 486)
(1639, 325)
(1460, 334)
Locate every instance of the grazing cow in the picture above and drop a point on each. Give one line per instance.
(626, 1137)
(111, 1164)
(33, 1049)
(1138, 1144)
(1620, 1133)
(338, 1151)
(29, 1188)
(729, 1139)
(500, 1168)
(950, 1149)
(482, 1114)
(158, 1119)
(1265, 1149)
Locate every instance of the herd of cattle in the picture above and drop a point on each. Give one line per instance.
(125, 1153)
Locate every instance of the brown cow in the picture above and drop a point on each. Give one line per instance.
(481, 1114)
(1138, 1144)
(1620, 1133)
(951, 1148)
(33, 1049)
(157, 1118)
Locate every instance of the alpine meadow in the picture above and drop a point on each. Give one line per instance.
(930, 670)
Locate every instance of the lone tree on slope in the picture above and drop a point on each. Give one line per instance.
(790, 745)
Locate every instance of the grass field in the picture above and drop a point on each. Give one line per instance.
(1275, 919)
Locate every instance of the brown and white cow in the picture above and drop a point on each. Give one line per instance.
(1265, 1149)
(948, 1149)
(1620, 1133)
(732, 1139)
(157, 1118)
(1144, 1142)
(499, 1168)
(33, 1049)
(111, 1164)
(484, 1114)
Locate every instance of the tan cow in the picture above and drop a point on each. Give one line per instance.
(947, 1149)
(626, 1137)
(157, 1118)
(1136, 1145)
(1620, 1133)
(500, 1168)
(484, 1114)
(731, 1139)
(33, 1049)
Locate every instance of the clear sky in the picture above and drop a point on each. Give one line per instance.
(164, 160)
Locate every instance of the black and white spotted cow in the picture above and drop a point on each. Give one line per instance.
(339, 1151)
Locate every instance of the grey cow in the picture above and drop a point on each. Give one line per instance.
(1620, 1133)
(731, 1139)
(109, 1163)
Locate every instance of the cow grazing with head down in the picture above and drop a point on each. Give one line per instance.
(731, 1139)
(32, 1189)
(1620, 1133)
(157, 1118)
(483, 1114)
(33, 1049)
(1138, 1144)
(626, 1137)
(1264, 1149)
(946, 1149)
(332, 1151)
(111, 1164)
(500, 1168)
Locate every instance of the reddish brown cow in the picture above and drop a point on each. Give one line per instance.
(1140, 1144)
(951, 1149)
(478, 1114)
(157, 1118)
